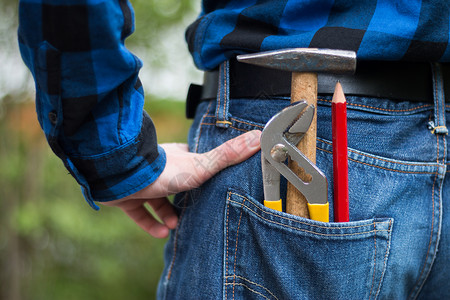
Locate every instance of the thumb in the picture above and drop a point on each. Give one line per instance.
(229, 153)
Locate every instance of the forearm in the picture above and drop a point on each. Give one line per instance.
(88, 96)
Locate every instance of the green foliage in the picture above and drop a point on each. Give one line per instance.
(154, 17)
(157, 24)
(52, 244)
(169, 118)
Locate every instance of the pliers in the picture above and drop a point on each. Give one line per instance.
(278, 141)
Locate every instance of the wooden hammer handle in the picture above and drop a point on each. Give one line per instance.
(304, 87)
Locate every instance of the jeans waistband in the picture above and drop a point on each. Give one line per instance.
(402, 81)
(407, 81)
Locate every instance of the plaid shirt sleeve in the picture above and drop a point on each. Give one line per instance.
(89, 99)
(413, 30)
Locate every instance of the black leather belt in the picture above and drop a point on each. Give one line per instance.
(402, 81)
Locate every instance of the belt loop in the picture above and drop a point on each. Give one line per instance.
(439, 124)
(223, 94)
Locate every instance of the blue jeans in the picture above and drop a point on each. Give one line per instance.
(396, 246)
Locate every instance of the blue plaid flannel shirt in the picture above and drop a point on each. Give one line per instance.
(89, 99)
(409, 30)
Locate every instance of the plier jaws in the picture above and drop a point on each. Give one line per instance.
(278, 142)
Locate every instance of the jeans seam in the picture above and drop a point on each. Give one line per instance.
(236, 247)
(378, 158)
(247, 287)
(444, 141)
(374, 262)
(234, 276)
(379, 167)
(226, 249)
(225, 87)
(381, 109)
(419, 282)
(378, 108)
(254, 283)
(439, 120)
(356, 161)
(312, 232)
(386, 255)
(296, 221)
(175, 243)
(236, 121)
(247, 123)
(211, 124)
(200, 125)
(437, 148)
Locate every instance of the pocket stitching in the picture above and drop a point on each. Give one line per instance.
(316, 233)
(383, 109)
(226, 253)
(388, 241)
(374, 264)
(247, 287)
(378, 270)
(254, 283)
(384, 264)
(392, 161)
(300, 222)
(175, 244)
(235, 250)
(234, 276)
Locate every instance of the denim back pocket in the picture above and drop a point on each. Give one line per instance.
(274, 255)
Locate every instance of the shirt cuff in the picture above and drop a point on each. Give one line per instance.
(135, 182)
(122, 171)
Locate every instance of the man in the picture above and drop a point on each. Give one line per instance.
(224, 242)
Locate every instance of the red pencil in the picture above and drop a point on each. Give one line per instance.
(340, 156)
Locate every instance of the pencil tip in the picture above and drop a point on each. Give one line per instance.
(338, 96)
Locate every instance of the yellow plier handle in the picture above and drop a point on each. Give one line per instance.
(276, 205)
(317, 212)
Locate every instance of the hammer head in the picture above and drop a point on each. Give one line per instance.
(304, 60)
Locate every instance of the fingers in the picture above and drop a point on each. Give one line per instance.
(229, 153)
(144, 219)
(183, 171)
(165, 211)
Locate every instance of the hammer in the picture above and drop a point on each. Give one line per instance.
(304, 63)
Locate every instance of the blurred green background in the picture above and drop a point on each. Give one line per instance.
(52, 244)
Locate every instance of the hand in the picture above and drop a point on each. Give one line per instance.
(183, 171)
